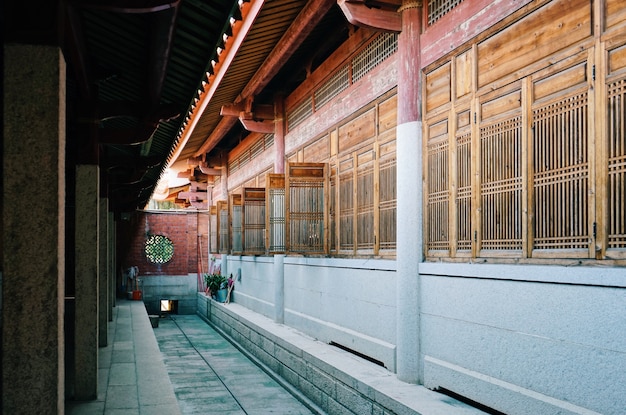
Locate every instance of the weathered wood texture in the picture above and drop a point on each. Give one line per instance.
(524, 139)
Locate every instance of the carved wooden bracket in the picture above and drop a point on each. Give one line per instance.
(256, 118)
(363, 14)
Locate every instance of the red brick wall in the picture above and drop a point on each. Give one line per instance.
(187, 231)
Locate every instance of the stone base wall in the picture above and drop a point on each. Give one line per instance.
(333, 380)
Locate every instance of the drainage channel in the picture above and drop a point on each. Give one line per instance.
(210, 375)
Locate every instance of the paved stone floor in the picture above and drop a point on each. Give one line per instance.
(211, 376)
(181, 367)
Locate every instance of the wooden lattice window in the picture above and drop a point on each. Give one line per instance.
(223, 225)
(365, 201)
(236, 223)
(501, 184)
(617, 164)
(561, 174)
(213, 230)
(438, 8)
(387, 199)
(332, 211)
(275, 213)
(346, 205)
(306, 187)
(438, 194)
(254, 220)
(463, 197)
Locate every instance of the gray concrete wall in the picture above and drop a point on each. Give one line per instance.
(182, 288)
(346, 301)
(522, 339)
(527, 339)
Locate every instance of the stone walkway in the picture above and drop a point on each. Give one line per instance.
(132, 379)
(211, 376)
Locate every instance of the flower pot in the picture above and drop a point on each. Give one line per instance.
(221, 295)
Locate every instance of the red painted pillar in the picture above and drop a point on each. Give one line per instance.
(409, 71)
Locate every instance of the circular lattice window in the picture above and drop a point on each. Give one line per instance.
(159, 249)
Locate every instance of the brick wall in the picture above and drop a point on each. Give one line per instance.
(187, 230)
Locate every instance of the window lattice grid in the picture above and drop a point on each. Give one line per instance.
(213, 238)
(388, 203)
(501, 185)
(223, 232)
(438, 196)
(276, 220)
(159, 249)
(306, 215)
(237, 230)
(365, 207)
(464, 192)
(332, 87)
(385, 45)
(300, 113)
(561, 174)
(254, 220)
(346, 211)
(332, 213)
(255, 150)
(617, 164)
(438, 8)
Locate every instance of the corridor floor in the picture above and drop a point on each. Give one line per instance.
(210, 376)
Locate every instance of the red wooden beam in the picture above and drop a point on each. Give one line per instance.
(265, 127)
(258, 111)
(360, 14)
(305, 22)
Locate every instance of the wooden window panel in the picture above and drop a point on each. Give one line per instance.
(617, 165)
(236, 223)
(501, 185)
(464, 192)
(275, 213)
(332, 211)
(213, 230)
(306, 189)
(223, 225)
(388, 203)
(365, 202)
(254, 220)
(346, 206)
(438, 188)
(614, 13)
(561, 174)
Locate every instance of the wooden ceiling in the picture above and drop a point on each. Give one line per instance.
(138, 69)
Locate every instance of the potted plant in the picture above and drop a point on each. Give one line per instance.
(217, 286)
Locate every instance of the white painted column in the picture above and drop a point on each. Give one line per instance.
(279, 288)
(409, 250)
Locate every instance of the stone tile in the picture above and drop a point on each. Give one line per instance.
(122, 374)
(121, 397)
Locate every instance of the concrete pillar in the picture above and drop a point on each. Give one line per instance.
(103, 272)
(33, 230)
(112, 267)
(87, 285)
(279, 288)
(409, 190)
